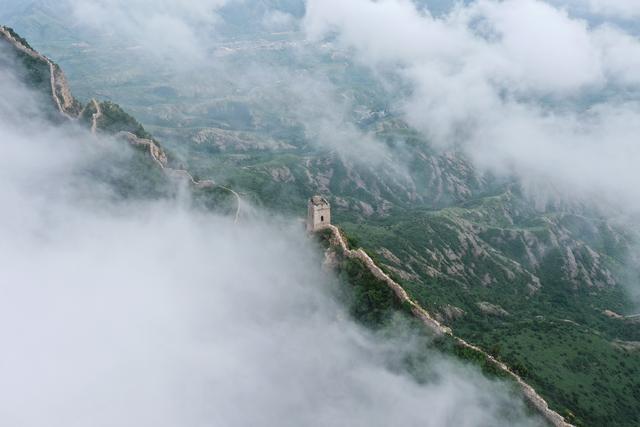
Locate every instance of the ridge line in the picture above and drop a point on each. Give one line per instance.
(530, 394)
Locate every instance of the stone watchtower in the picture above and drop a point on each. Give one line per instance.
(319, 214)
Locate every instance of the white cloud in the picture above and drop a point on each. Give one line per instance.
(151, 314)
(510, 80)
(544, 48)
(168, 28)
(277, 20)
(621, 54)
(625, 9)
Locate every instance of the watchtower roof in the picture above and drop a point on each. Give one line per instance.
(319, 201)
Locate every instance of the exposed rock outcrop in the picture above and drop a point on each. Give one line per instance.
(492, 309)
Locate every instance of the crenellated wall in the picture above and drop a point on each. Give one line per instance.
(529, 393)
(60, 91)
(319, 214)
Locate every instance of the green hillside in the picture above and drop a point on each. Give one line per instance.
(537, 285)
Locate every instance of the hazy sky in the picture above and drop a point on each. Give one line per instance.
(124, 313)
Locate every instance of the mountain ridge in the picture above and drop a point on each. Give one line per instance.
(486, 261)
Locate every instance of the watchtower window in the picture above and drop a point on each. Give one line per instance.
(322, 219)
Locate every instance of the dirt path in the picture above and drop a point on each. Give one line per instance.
(436, 327)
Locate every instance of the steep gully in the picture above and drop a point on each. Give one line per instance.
(532, 397)
(64, 101)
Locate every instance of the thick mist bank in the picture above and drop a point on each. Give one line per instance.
(123, 312)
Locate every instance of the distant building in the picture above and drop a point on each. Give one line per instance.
(319, 214)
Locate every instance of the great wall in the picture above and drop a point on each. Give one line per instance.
(95, 116)
(66, 103)
(159, 156)
(60, 91)
(531, 396)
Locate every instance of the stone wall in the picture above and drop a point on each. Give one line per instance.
(319, 214)
(531, 396)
